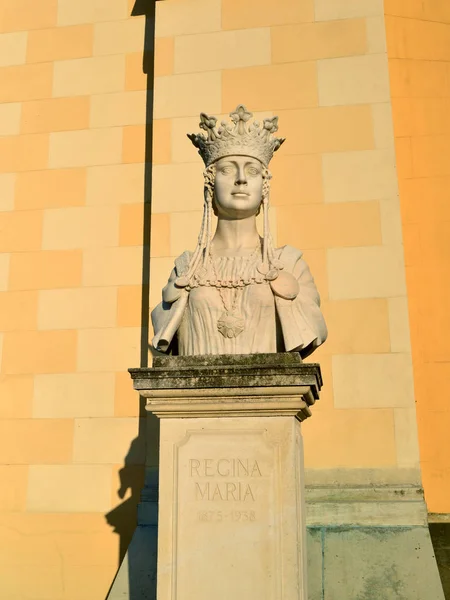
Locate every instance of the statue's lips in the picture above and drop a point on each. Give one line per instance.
(239, 194)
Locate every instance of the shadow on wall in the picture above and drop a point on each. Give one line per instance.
(133, 476)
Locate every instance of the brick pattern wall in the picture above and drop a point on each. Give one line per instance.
(418, 35)
(72, 151)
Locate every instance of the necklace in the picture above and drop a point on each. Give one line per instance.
(231, 322)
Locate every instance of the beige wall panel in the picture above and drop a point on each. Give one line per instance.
(125, 108)
(421, 116)
(7, 190)
(36, 441)
(356, 176)
(50, 189)
(10, 118)
(60, 43)
(391, 221)
(418, 78)
(296, 180)
(115, 185)
(21, 231)
(55, 114)
(347, 9)
(129, 305)
(135, 78)
(69, 488)
(417, 39)
(91, 11)
(16, 396)
(47, 580)
(261, 13)
(45, 270)
(126, 398)
(84, 227)
(350, 439)
(354, 80)
(370, 272)
(73, 395)
(227, 50)
(164, 56)
(187, 95)
(184, 230)
(383, 125)
(13, 48)
(160, 269)
(112, 266)
(178, 17)
(107, 441)
(85, 76)
(96, 580)
(18, 311)
(34, 352)
(13, 490)
(23, 153)
(131, 225)
(119, 37)
(376, 35)
(335, 225)
(160, 235)
(78, 308)
(430, 155)
(251, 87)
(1, 349)
(177, 188)
(372, 381)
(26, 82)
(406, 437)
(327, 129)
(108, 349)
(312, 41)
(27, 14)
(403, 152)
(85, 148)
(357, 326)
(4, 271)
(134, 147)
(317, 262)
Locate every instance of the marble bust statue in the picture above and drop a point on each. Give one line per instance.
(236, 293)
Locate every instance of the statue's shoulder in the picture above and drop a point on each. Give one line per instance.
(289, 256)
(182, 262)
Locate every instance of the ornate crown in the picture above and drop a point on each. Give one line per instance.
(255, 140)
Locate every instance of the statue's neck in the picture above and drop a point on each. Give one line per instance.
(235, 238)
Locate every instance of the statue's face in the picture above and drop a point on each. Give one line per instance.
(238, 187)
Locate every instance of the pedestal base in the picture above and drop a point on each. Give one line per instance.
(231, 513)
(231, 497)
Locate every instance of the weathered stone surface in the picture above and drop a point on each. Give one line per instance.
(228, 371)
(388, 563)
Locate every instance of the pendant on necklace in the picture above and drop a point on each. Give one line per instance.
(231, 324)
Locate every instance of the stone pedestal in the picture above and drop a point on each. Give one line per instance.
(231, 490)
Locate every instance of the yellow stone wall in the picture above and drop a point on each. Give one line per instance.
(72, 150)
(418, 34)
(322, 67)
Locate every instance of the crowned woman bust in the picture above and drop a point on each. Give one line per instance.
(236, 293)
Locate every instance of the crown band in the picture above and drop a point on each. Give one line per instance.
(237, 140)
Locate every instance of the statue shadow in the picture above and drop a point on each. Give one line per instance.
(134, 519)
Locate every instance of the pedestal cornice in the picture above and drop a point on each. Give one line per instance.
(229, 385)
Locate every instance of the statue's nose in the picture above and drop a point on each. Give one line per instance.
(241, 179)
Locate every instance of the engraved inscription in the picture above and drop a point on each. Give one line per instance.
(230, 468)
(233, 515)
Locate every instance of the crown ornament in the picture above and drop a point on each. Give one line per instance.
(238, 138)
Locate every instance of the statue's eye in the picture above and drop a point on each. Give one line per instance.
(253, 171)
(226, 170)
